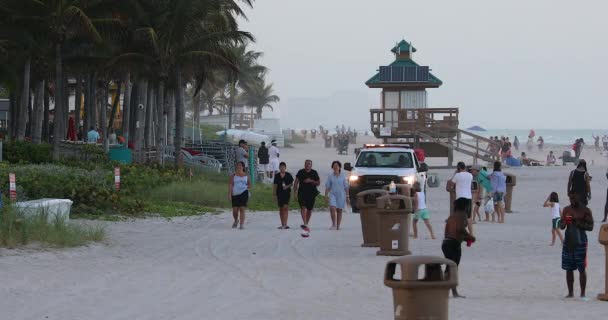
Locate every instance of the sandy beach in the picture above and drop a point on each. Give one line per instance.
(200, 268)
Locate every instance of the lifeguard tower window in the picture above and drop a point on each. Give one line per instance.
(371, 159)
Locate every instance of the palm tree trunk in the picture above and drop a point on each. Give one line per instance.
(38, 114)
(66, 106)
(232, 93)
(78, 102)
(141, 115)
(180, 118)
(85, 107)
(45, 116)
(149, 116)
(115, 105)
(95, 101)
(160, 120)
(196, 113)
(133, 110)
(171, 118)
(126, 107)
(25, 100)
(103, 115)
(58, 102)
(12, 112)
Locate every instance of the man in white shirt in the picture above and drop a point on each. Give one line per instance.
(462, 181)
(274, 154)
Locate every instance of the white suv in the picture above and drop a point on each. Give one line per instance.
(378, 165)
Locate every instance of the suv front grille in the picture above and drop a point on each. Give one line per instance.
(379, 180)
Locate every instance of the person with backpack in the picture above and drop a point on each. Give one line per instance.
(264, 159)
(579, 183)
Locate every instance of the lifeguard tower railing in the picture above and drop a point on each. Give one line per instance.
(436, 125)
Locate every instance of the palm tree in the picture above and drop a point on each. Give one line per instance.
(61, 21)
(259, 95)
(248, 70)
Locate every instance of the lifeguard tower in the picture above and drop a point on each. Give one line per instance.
(405, 116)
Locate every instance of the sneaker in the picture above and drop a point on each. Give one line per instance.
(286, 227)
(333, 228)
(583, 299)
(235, 224)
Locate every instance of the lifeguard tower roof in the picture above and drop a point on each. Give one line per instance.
(404, 72)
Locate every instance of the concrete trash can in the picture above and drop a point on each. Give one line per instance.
(511, 182)
(421, 298)
(402, 189)
(367, 204)
(603, 238)
(394, 213)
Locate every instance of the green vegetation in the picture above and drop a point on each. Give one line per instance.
(208, 131)
(17, 229)
(213, 193)
(26, 152)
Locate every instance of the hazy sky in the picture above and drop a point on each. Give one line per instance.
(516, 64)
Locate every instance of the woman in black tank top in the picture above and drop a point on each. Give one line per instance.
(579, 183)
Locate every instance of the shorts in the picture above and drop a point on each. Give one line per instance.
(498, 198)
(263, 167)
(422, 214)
(274, 165)
(240, 200)
(555, 223)
(452, 250)
(306, 201)
(464, 204)
(283, 199)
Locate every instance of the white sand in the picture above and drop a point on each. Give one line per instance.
(199, 268)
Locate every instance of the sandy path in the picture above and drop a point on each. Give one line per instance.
(199, 268)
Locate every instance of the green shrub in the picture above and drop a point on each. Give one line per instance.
(27, 152)
(92, 191)
(17, 229)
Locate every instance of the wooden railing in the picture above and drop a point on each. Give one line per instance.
(411, 120)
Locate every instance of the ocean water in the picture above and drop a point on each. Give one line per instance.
(551, 136)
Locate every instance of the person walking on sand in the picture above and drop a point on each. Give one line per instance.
(541, 143)
(579, 183)
(336, 190)
(516, 143)
(499, 187)
(242, 154)
(462, 181)
(455, 233)
(551, 160)
(421, 211)
(281, 189)
(305, 192)
(238, 193)
(596, 142)
(556, 213)
(263, 158)
(577, 219)
(275, 154)
(481, 176)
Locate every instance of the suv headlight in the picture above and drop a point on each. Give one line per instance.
(353, 178)
(409, 180)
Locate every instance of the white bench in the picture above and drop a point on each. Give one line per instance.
(53, 208)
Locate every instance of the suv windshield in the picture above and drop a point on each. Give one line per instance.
(373, 159)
